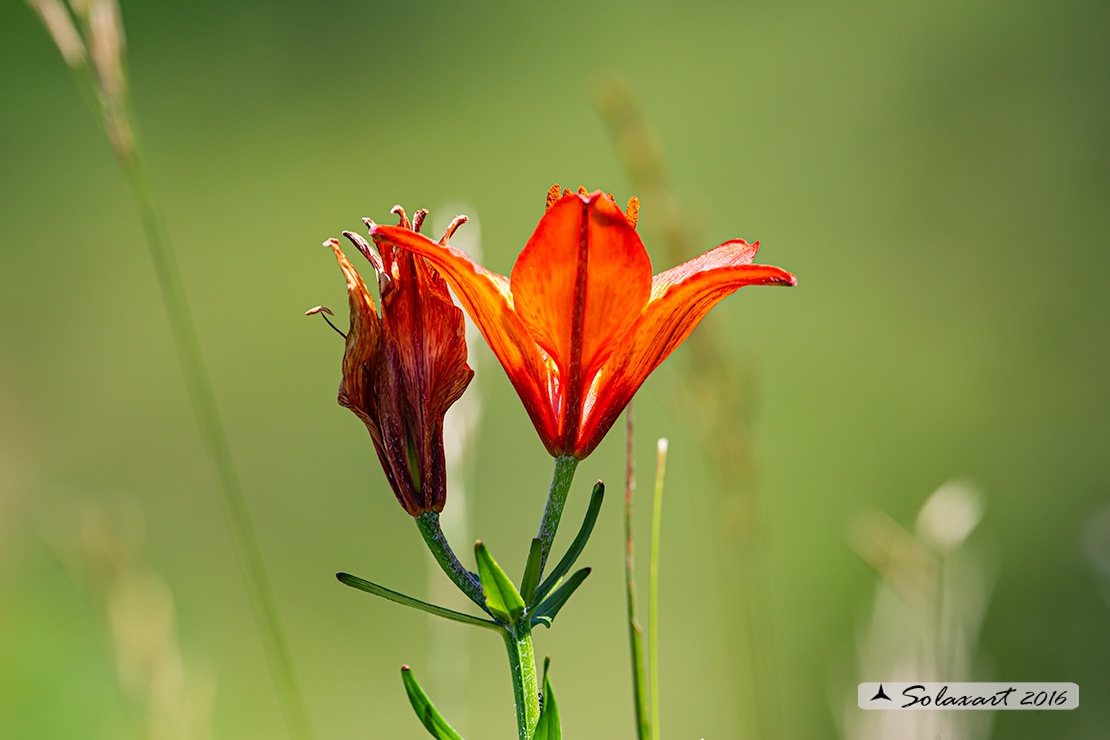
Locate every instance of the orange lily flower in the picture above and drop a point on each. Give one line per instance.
(401, 372)
(580, 323)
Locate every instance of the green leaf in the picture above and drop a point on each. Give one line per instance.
(547, 726)
(531, 578)
(502, 598)
(545, 612)
(439, 611)
(576, 547)
(434, 722)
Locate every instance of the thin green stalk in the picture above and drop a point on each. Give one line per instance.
(522, 662)
(653, 588)
(556, 499)
(635, 632)
(94, 52)
(244, 539)
(428, 524)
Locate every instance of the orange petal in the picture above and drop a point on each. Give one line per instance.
(426, 372)
(486, 297)
(427, 330)
(363, 338)
(680, 299)
(609, 260)
(579, 285)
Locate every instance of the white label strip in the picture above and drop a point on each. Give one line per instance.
(991, 696)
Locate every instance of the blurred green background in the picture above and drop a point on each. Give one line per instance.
(936, 174)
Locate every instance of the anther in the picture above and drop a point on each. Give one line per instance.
(459, 221)
(566, 192)
(325, 312)
(552, 196)
(418, 218)
(399, 211)
(632, 213)
(582, 190)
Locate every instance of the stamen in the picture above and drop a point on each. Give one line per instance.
(367, 251)
(582, 190)
(566, 192)
(459, 221)
(325, 312)
(552, 196)
(632, 213)
(418, 218)
(399, 211)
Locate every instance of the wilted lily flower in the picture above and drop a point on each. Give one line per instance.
(402, 371)
(581, 322)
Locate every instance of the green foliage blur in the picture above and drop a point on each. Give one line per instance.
(936, 175)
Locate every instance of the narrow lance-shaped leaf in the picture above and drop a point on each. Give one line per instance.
(433, 721)
(502, 598)
(545, 612)
(576, 546)
(531, 578)
(548, 726)
(373, 588)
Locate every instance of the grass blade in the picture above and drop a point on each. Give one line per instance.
(635, 632)
(653, 583)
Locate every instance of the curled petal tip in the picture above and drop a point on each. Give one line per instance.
(318, 309)
(369, 223)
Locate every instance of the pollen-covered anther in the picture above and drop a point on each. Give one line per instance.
(552, 196)
(455, 224)
(404, 223)
(566, 192)
(582, 190)
(632, 213)
(325, 312)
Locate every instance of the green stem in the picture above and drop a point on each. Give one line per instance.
(428, 524)
(245, 541)
(653, 587)
(635, 632)
(522, 661)
(556, 499)
(114, 114)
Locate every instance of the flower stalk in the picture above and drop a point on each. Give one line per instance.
(522, 663)
(561, 479)
(467, 582)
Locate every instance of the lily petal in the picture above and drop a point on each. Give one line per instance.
(680, 299)
(583, 255)
(363, 338)
(486, 297)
